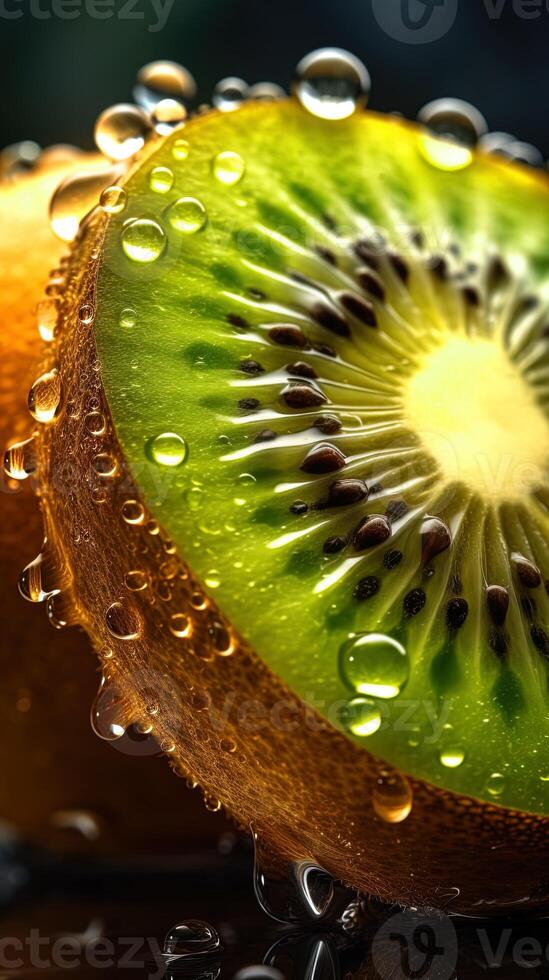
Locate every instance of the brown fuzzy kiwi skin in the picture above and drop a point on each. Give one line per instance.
(227, 722)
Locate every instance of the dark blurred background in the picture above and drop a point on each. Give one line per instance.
(58, 74)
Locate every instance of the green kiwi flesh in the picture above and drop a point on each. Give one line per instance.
(296, 333)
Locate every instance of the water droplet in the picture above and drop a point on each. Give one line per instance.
(44, 399)
(221, 639)
(123, 620)
(194, 497)
(180, 149)
(228, 168)
(266, 92)
(160, 80)
(36, 581)
(198, 601)
(86, 313)
(105, 465)
(95, 423)
(133, 512)
(212, 579)
(19, 157)
(191, 938)
(392, 798)
(107, 715)
(495, 784)
(331, 83)
(46, 315)
(167, 449)
(143, 240)
(128, 318)
(229, 94)
(361, 717)
(161, 180)
(168, 115)
(453, 130)
(180, 625)
(187, 215)
(374, 664)
(113, 199)
(121, 131)
(136, 580)
(20, 459)
(451, 754)
(75, 197)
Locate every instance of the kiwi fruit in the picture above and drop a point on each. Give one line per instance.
(292, 448)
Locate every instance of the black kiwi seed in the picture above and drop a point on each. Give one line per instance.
(334, 545)
(299, 507)
(360, 308)
(237, 321)
(497, 274)
(414, 602)
(323, 458)
(249, 405)
(396, 509)
(326, 254)
(330, 318)
(471, 295)
(528, 573)
(435, 538)
(367, 253)
(257, 294)
(457, 611)
(326, 350)
(302, 370)
(371, 531)
(392, 559)
(366, 588)
(288, 335)
(328, 424)
(345, 492)
(251, 367)
(266, 435)
(400, 266)
(540, 641)
(303, 396)
(371, 283)
(438, 265)
(497, 599)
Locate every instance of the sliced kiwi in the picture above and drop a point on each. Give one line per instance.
(326, 361)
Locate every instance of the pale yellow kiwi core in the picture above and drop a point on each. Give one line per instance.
(478, 418)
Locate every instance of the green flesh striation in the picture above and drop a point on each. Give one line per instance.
(279, 248)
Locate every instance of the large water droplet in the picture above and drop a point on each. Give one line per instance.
(143, 240)
(361, 716)
(113, 199)
(75, 197)
(266, 92)
(453, 129)
(37, 580)
(374, 664)
(44, 399)
(331, 83)
(161, 180)
(191, 938)
(160, 80)
(20, 459)
(187, 215)
(167, 449)
(107, 715)
(451, 754)
(123, 620)
(229, 94)
(228, 167)
(121, 131)
(168, 115)
(392, 797)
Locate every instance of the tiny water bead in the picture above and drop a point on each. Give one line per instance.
(123, 620)
(392, 797)
(128, 318)
(161, 180)
(187, 215)
(121, 131)
(190, 938)
(167, 449)
(161, 80)
(180, 625)
(136, 580)
(47, 312)
(180, 149)
(452, 754)
(374, 664)
(75, 197)
(86, 313)
(228, 168)
(229, 94)
(113, 199)
(495, 785)
(331, 83)
(361, 717)
(266, 92)
(143, 240)
(95, 423)
(133, 512)
(105, 465)
(44, 399)
(453, 130)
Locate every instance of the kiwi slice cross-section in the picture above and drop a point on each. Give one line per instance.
(326, 359)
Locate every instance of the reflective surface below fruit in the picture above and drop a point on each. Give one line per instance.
(197, 916)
